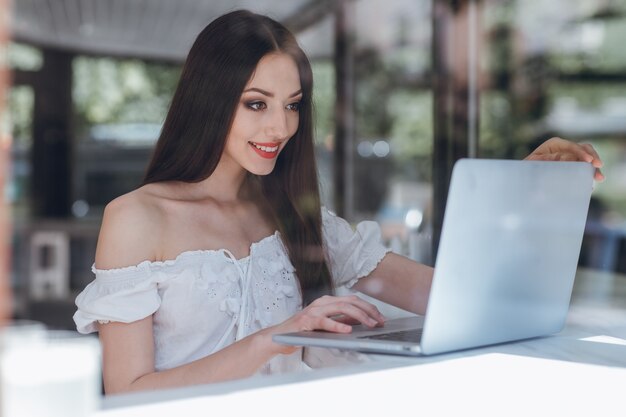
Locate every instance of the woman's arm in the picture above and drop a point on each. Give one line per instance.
(399, 281)
(128, 360)
(128, 348)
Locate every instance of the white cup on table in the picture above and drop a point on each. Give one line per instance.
(48, 373)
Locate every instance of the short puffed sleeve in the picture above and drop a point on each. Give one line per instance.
(122, 295)
(351, 253)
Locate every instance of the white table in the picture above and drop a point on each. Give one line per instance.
(581, 370)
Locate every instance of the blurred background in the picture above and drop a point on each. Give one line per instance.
(403, 88)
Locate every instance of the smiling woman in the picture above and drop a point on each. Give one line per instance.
(226, 243)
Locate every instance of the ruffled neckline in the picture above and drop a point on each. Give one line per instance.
(187, 254)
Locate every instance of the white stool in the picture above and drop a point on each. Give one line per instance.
(49, 265)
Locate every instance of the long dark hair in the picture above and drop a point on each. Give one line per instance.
(218, 67)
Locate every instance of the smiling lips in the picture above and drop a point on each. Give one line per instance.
(265, 150)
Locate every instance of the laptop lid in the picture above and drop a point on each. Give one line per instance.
(507, 258)
(508, 252)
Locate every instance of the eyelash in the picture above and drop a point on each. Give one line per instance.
(252, 105)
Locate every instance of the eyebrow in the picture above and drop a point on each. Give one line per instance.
(267, 93)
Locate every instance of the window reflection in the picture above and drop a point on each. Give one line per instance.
(393, 122)
(558, 70)
(543, 69)
(119, 106)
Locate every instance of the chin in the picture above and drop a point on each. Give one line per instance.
(262, 171)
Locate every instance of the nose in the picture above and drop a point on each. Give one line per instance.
(276, 127)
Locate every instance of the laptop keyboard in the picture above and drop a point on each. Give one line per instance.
(413, 335)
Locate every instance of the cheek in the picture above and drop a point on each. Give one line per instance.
(243, 126)
(292, 124)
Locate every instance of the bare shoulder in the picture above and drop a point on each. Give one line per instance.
(130, 229)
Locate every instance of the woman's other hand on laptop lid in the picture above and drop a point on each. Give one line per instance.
(329, 313)
(558, 149)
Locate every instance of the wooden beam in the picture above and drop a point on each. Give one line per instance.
(343, 150)
(52, 137)
(591, 76)
(455, 103)
(22, 77)
(501, 80)
(5, 146)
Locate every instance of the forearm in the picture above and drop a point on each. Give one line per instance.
(130, 368)
(239, 360)
(399, 281)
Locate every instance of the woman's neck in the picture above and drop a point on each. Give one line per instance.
(223, 186)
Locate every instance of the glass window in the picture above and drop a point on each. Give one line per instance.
(24, 57)
(17, 122)
(558, 69)
(392, 163)
(21, 103)
(388, 166)
(119, 107)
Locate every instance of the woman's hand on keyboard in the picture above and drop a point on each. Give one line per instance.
(329, 313)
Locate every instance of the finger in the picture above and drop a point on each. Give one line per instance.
(345, 320)
(598, 176)
(309, 323)
(576, 152)
(352, 322)
(347, 309)
(369, 308)
(567, 157)
(359, 314)
(330, 325)
(597, 162)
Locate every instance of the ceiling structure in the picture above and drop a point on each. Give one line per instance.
(165, 29)
(150, 29)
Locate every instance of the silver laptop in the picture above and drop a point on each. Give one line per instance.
(507, 257)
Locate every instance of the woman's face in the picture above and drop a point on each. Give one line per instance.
(266, 116)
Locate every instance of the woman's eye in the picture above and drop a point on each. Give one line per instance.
(256, 105)
(294, 106)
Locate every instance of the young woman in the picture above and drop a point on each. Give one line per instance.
(226, 244)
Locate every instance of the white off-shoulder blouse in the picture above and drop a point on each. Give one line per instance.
(205, 300)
